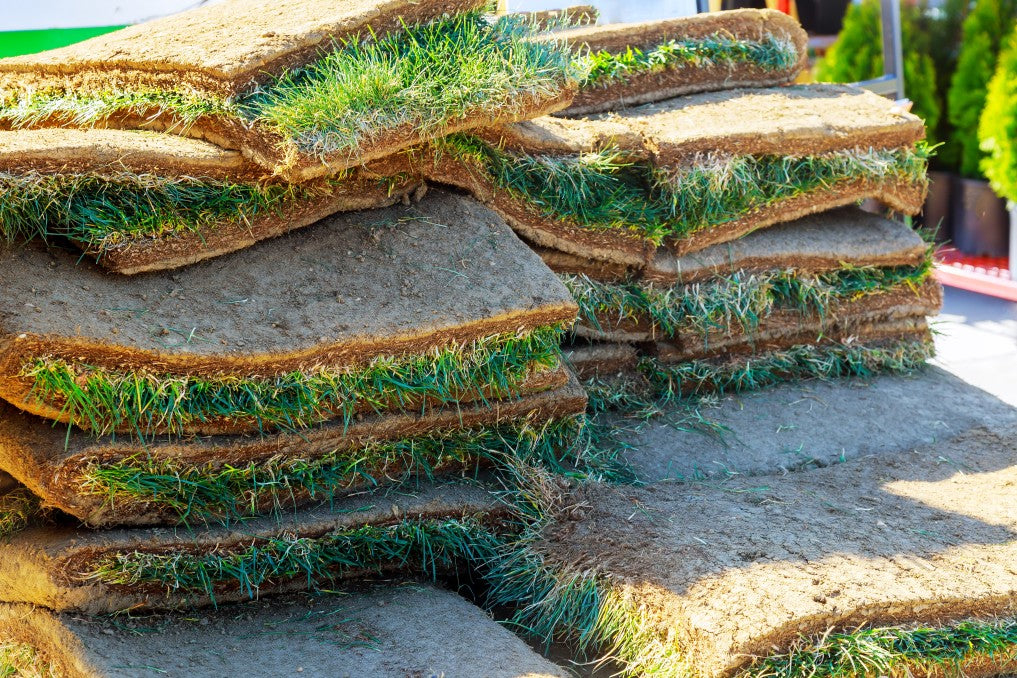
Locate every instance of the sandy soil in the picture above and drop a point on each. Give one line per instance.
(398, 631)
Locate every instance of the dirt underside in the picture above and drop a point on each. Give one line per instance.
(45, 566)
(741, 568)
(50, 461)
(397, 630)
(816, 243)
(659, 84)
(393, 281)
(218, 50)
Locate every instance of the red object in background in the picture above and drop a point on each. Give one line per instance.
(984, 275)
(784, 6)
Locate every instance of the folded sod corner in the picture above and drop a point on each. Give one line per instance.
(304, 89)
(784, 575)
(387, 310)
(116, 481)
(632, 64)
(431, 532)
(690, 172)
(142, 201)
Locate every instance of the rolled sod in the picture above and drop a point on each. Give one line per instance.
(396, 630)
(792, 574)
(304, 88)
(640, 63)
(141, 201)
(386, 310)
(433, 530)
(116, 481)
(691, 172)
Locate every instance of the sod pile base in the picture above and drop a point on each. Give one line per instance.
(706, 578)
(141, 201)
(291, 83)
(645, 62)
(119, 481)
(690, 172)
(432, 286)
(408, 630)
(430, 530)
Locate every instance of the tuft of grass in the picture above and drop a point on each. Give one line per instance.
(738, 301)
(17, 508)
(768, 54)
(806, 361)
(104, 400)
(608, 191)
(428, 546)
(217, 490)
(21, 660)
(426, 76)
(112, 210)
(894, 652)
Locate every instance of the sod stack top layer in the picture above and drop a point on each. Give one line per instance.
(368, 311)
(304, 88)
(690, 172)
(116, 481)
(143, 201)
(432, 530)
(639, 63)
(704, 578)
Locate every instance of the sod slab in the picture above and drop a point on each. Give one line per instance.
(710, 575)
(220, 49)
(160, 481)
(392, 631)
(690, 172)
(103, 571)
(395, 282)
(686, 55)
(293, 98)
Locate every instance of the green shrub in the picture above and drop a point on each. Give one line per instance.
(858, 55)
(998, 128)
(989, 22)
(944, 30)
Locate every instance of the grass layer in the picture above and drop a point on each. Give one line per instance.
(24, 661)
(740, 300)
(216, 490)
(104, 400)
(585, 609)
(105, 212)
(606, 191)
(426, 76)
(17, 508)
(426, 545)
(806, 361)
(769, 54)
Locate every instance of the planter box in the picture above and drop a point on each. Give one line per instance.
(981, 225)
(937, 215)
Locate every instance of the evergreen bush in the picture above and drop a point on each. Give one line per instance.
(998, 128)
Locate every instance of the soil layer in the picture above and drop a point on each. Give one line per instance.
(387, 631)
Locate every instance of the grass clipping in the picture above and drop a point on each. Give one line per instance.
(105, 401)
(423, 78)
(606, 191)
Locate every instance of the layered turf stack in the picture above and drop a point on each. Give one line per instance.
(303, 88)
(376, 345)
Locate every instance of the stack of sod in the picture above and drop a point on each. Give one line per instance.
(372, 347)
(632, 64)
(842, 292)
(690, 172)
(303, 88)
(141, 201)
